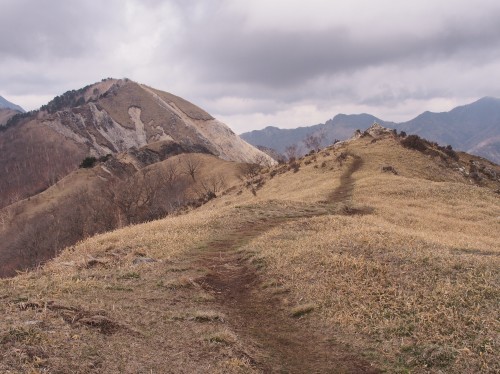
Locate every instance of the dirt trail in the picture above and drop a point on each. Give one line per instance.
(343, 193)
(286, 344)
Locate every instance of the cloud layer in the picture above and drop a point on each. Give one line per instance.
(258, 63)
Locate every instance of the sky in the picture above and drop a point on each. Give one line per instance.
(252, 64)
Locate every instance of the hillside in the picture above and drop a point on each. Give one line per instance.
(5, 104)
(113, 191)
(473, 128)
(112, 116)
(6, 114)
(369, 256)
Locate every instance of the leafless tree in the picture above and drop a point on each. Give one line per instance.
(130, 195)
(263, 160)
(171, 172)
(191, 166)
(210, 187)
(249, 170)
(292, 151)
(313, 141)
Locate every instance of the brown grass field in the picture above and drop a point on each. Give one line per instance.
(336, 268)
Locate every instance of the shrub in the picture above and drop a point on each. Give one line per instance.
(88, 162)
(389, 169)
(448, 150)
(342, 157)
(295, 166)
(105, 158)
(414, 142)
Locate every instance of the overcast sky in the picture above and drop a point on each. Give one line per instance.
(256, 63)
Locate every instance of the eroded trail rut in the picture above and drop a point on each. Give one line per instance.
(283, 344)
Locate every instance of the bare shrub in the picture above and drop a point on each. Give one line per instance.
(292, 151)
(210, 187)
(263, 161)
(149, 194)
(313, 141)
(250, 170)
(295, 166)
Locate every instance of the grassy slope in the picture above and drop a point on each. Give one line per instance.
(69, 192)
(412, 286)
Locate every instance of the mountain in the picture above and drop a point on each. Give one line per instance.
(5, 104)
(340, 127)
(143, 154)
(473, 128)
(108, 117)
(376, 255)
(8, 110)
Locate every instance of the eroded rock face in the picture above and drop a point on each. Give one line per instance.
(125, 114)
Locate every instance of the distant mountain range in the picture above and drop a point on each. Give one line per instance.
(340, 127)
(473, 128)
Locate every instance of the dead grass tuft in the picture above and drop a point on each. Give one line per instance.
(301, 310)
(208, 316)
(225, 337)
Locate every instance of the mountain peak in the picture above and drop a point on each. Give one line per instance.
(489, 99)
(111, 117)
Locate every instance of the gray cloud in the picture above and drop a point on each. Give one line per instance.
(50, 29)
(224, 51)
(261, 62)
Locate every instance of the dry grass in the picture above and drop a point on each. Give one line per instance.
(414, 284)
(139, 298)
(418, 278)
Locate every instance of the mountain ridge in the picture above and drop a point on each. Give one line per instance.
(341, 126)
(366, 256)
(473, 127)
